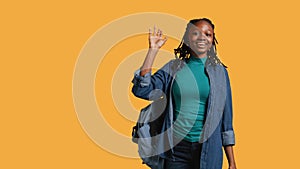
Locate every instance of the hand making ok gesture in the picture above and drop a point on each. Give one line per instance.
(156, 39)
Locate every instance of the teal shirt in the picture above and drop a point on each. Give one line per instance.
(190, 92)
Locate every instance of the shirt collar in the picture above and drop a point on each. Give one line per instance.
(198, 60)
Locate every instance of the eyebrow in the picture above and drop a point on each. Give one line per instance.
(204, 30)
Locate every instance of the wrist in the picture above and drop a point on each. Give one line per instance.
(153, 48)
(232, 165)
(152, 52)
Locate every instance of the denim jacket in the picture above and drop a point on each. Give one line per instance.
(217, 131)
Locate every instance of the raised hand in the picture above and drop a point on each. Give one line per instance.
(156, 39)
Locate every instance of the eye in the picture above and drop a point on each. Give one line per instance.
(208, 34)
(195, 33)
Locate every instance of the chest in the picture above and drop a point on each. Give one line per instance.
(191, 82)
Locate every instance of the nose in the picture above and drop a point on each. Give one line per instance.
(201, 36)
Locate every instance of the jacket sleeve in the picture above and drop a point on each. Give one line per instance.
(228, 136)
(151, 87)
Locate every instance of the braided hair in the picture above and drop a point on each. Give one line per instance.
(183, 51)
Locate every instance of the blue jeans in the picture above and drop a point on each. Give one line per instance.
(186, 155)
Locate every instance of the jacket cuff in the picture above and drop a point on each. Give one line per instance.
(228, 138)
(141, 80)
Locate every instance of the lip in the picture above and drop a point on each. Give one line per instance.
(200, 44)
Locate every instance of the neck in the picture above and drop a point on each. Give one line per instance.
(199, 55)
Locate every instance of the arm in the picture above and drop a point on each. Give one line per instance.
(230, 156)
(155, 43)
(227, 128)
(148, 62)
(145, 83)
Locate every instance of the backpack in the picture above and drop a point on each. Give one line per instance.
(149, 124)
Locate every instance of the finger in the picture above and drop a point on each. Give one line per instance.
(154, 30)
(159, 32)
(150, 31)
(165, 39)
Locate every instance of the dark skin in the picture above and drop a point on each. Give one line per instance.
(200, 39)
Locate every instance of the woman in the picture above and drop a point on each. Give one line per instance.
(198, 115)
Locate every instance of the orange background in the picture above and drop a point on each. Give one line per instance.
(40, 42)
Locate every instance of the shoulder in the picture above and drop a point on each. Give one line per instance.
(225, 68)
(170, 62)
(222, 67)
(217, 67)
(168, 67)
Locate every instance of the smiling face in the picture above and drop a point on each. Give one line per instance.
(200, 38)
